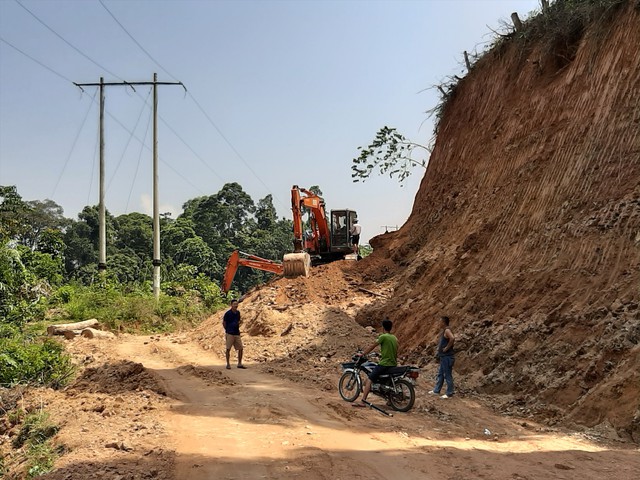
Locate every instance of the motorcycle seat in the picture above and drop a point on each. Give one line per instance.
(396, 371)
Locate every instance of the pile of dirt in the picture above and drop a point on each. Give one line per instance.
(300, 328)
(526, 231)
(114, 378)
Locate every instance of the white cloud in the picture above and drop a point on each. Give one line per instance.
(147, 206)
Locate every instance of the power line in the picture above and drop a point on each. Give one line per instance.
(135, 137)
(136, 42)
(191, 149)
(152, 58)
(228, 142)
(73, 146)
(224, 137)
(35, 60)
(108, 71)
(128, 141)
(135, 175)
(93, 167)
(66, 41)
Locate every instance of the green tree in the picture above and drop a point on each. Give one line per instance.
(389, 152)
(41, 216)
(134, 232)
(12, 210)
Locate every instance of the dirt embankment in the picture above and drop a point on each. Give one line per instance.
(526, 229)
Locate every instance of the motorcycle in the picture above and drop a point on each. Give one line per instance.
(397, 386)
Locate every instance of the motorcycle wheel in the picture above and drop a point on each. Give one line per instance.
(349, 386)
(404, 397)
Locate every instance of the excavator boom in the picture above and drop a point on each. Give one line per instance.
(251, 261)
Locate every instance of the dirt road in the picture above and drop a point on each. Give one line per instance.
(244, 424)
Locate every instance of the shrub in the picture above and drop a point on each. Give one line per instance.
(32, 360)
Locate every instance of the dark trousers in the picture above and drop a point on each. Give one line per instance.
(445, 372)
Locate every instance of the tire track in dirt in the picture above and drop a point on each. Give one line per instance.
(245, 424)
(256, 426)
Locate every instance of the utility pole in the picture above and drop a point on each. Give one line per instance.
(102, 261)
(156, 208)
(102, 228)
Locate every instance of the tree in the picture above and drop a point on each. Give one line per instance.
(389, 152)
(134, 232)
(81, 240)
(41, 216)
(266, 215)
(194, 251)
(12, 210)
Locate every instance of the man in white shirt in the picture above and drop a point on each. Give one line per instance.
(355, 236)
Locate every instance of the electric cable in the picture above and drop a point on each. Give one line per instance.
(135, 175)
(103, 68)
(222, 135)
(228, 142)
(67, 42)
(35, 60)
(93, 166)
(191, 149)
(136, 42)
(146, 102)
(73, 145)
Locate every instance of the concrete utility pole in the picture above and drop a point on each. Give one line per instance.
(156, 208)
(102, 262)
(102, 235)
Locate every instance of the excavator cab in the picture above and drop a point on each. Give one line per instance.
(341, 223)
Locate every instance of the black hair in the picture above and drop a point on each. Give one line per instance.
(445, 320)
(234, 300)
(387, 324)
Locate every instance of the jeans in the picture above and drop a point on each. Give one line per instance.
(445, 373)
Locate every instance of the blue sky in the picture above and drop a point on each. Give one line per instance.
(294, 86)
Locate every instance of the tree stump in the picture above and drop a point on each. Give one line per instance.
(516, 21)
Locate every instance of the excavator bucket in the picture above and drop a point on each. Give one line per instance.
(296, 264)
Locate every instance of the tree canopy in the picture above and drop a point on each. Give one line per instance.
(38, 238)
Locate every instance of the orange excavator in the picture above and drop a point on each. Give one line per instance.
(325, 240)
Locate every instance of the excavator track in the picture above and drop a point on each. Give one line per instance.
(296, 264)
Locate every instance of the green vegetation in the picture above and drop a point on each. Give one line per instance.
(48, 271)
(35, 438)
(389, 152)
(49, 274)
(28, 359)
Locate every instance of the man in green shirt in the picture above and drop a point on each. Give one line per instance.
(388, 358)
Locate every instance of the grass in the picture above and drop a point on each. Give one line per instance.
(133, 308)
(35, 438)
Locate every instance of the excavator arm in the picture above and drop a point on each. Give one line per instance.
(320, 236)
(251, 261)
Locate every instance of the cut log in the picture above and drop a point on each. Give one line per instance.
(65, 327)
(93, 333)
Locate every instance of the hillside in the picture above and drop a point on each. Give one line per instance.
(526, 228)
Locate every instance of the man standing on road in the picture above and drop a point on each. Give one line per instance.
(447, 359)
(388, 358)
(355, 236)
(231, 324)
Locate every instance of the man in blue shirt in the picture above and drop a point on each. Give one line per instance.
(231, 324)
